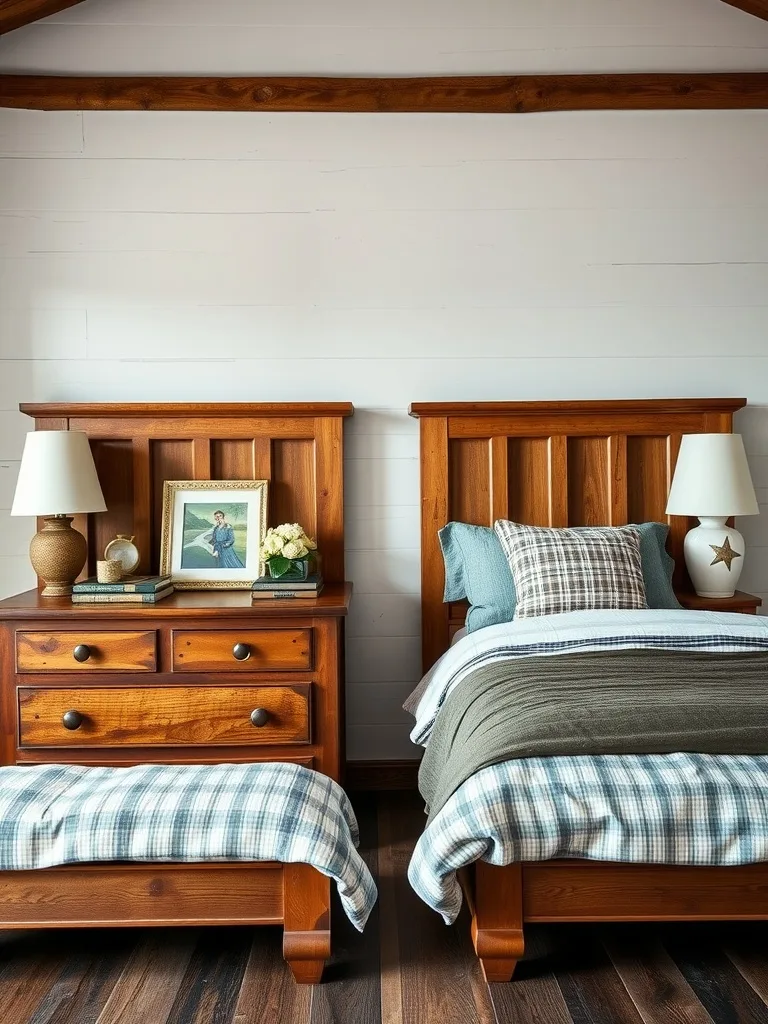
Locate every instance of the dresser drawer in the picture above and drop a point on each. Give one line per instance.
(82, 651)
(243, 650)
(149, 716)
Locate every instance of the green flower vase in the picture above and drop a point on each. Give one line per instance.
(288, 570)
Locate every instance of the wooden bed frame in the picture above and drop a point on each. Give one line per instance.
(566, 464)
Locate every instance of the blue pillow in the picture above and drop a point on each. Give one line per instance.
(658, 565)
(477, 569)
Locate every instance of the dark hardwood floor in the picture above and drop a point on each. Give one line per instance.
(408, 967)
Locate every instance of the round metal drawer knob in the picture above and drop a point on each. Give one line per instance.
(72, 720)
(81, 653)
(259, 717)
(241, 652)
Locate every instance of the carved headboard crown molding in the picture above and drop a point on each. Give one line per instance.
(600, 406)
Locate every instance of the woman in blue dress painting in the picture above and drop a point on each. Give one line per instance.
(222, 540)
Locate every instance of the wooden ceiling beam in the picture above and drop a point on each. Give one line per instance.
(485, 94)
(759, 8)
(16, 13)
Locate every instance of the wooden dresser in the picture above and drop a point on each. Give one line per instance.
(203, 676)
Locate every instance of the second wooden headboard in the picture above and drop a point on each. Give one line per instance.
(548, 464)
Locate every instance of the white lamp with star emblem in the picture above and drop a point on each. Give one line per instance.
(712, 481)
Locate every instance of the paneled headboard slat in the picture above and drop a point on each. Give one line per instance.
(548, 464)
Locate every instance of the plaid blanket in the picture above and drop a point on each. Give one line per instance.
(680, 808)
(703, 809)
(67, 814)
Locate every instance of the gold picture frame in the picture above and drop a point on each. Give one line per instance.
(211, 533)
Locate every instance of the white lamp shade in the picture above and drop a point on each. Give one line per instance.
(57, 476)
(712, 478)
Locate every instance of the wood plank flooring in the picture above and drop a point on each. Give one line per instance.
(407, 968)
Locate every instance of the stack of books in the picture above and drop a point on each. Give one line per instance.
(129, 590)
(269, 588)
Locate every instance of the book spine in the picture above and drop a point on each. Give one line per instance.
(277, 590)
(282, 595)
(287, 584)
(119, 588)
(268, 583)
(122, 598)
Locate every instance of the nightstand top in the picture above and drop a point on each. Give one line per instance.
(333, 601)
(740, 602)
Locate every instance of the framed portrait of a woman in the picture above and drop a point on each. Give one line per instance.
(212, 532)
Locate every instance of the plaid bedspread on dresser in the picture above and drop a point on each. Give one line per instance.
(68, 814)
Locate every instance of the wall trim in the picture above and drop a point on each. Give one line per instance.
(380, 775)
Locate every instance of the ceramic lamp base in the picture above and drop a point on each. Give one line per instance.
(714, 557)
(58, 554)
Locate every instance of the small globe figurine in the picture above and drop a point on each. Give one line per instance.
(125, 551)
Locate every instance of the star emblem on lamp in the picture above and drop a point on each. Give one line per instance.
(724, 553)
(712, 481)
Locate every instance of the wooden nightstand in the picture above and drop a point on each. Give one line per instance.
(740, 602)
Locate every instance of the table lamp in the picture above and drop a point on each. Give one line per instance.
(57, 477)
(712, 482)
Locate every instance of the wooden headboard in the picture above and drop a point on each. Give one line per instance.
(298, 447)
(548, 464)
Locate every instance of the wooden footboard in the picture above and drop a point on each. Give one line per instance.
(502, 899)
(144, 895)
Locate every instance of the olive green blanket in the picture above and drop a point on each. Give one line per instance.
(612, 702)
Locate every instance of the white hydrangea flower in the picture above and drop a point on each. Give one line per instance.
(287, 540)
(273, 545)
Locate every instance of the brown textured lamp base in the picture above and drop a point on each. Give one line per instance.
(57, 554)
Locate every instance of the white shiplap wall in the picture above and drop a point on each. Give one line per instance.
(383, 259)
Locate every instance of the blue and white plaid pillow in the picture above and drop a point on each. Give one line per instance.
(562, 570)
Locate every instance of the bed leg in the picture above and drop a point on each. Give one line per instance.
(497, 969)
(306, 922)
(497, 919)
